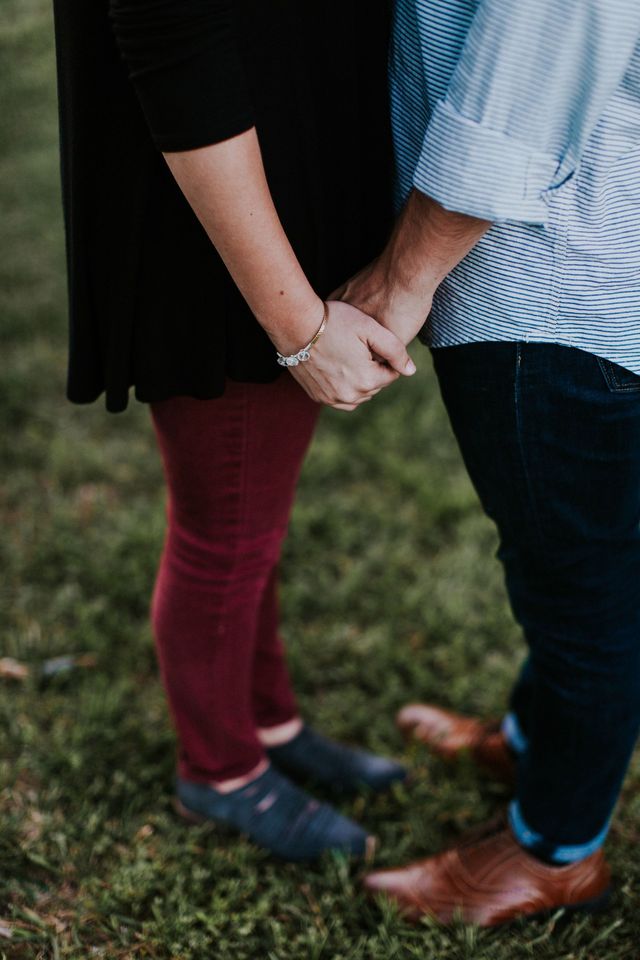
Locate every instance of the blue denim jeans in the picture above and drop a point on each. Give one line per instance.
(550, 436)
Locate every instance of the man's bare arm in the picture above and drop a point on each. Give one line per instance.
(426, 244)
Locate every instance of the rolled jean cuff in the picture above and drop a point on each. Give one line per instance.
(536, 844)
(512, 732)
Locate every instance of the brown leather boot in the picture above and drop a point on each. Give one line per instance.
(491, 880)
(450, 734)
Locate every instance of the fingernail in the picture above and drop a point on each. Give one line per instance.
(410, 367)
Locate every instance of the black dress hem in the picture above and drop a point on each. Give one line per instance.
(118, 403)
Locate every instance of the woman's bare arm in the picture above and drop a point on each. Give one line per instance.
(225, 184)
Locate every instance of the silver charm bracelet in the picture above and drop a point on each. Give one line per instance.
(305, 354)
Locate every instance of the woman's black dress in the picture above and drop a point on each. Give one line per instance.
(151, 303)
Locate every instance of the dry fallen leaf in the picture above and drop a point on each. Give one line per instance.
(144, 832)
(11, 669)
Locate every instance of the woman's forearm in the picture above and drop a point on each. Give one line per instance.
(225, 184)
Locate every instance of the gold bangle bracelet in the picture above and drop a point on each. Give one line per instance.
(302, 356)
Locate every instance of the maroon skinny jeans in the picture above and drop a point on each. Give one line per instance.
(231, 466)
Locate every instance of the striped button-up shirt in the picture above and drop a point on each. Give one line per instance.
(527, 113)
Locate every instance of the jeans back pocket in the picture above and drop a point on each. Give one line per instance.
(617, 378)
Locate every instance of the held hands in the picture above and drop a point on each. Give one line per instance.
(354, 359)
(386, 304)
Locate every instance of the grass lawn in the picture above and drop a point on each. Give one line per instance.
(390, 593)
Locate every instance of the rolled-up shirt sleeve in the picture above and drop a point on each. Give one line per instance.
(531, 83)
(184, 62)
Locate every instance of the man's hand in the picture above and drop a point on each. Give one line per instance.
(427, 243)
(378, 293)
(345, 368)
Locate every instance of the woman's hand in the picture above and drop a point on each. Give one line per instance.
(353, 360)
